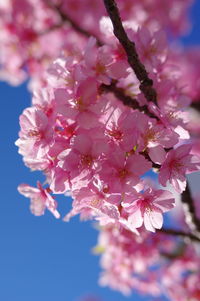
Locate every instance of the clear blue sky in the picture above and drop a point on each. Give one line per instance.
(41, 258)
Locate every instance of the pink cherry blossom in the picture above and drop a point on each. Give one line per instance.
(148, 207)
(97, 137)
(35, 134)
(119, 127)
(100, 64)
(40, 199)
(96, 200)
(178, 163)
(121, 172)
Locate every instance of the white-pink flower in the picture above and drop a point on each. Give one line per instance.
(178, 163)
(147, 208)
(40, 199)
(35, 134)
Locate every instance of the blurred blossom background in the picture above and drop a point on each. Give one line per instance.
(42, 258)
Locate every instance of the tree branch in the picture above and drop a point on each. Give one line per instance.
(118, 92)
(179, 233)
(126, 100)
(190, 212)
(146, 84)
(65, 18)
(196, 105)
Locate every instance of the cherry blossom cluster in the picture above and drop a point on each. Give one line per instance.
(188, 60)
(28, 26)
(90, 144)
(97, 129)
(142, 263)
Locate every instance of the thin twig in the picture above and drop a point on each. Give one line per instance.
(126, 99)
(146, 84)
(119, 92)
(191, 218)
(178, 252)
(196, 105)
(66, 18)
(179, 233)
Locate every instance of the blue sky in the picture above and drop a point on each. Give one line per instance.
(42, 258)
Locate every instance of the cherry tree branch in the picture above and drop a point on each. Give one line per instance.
(191, 218)
(66, 18)
(118, 92)
(196, 105)
(126, 99)
(179, 233)
(146, 84)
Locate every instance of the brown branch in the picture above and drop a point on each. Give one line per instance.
(146, 84)
(196, 105)
(179, 233)
(191, 218)
(125, 99)
(66, 18)
(132, 103)
(178, 252)
(119, 93)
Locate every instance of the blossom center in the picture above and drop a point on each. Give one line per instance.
(149, 136)
(80, 104)
(177, 165)
(123, 173)
(95, 203)
(35, 134)
(145, 206)
(115, 134)
(100, 69)
(86, 160)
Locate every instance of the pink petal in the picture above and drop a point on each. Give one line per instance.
(135, 220)
(147, 222)
(82, 143)
(157, 154)
(156, 219)
(164, 175)
(27, 190)
(178, 184)
(182, 150)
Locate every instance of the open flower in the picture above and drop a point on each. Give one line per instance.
(40, 199)
(178, 163)
(148, 207)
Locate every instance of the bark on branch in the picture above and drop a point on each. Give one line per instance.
(125, 99)
(196, 105)
(179, 233)
(118, 92)
(146, 84)
(190, 212)
(66, 18)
